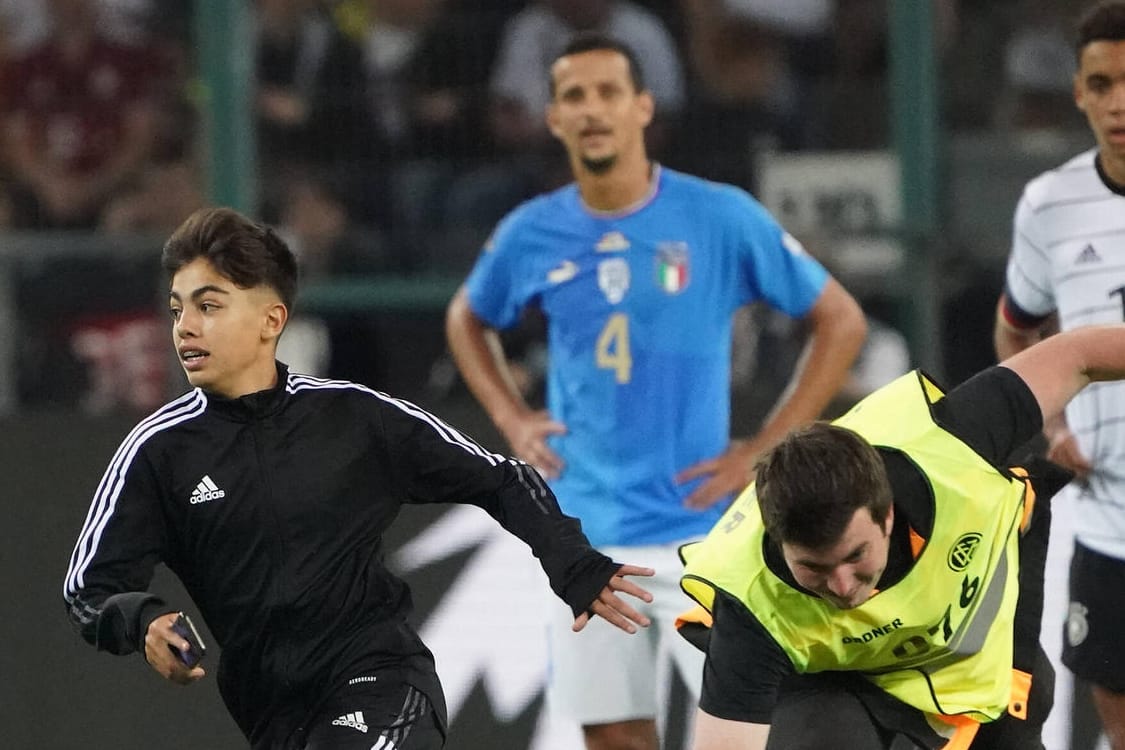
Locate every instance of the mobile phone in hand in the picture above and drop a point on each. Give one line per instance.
(185, 628)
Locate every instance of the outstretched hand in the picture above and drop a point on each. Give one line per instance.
(160, 639)
(609, 606)
(527, 434)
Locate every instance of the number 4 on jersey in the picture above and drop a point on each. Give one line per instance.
(612, 350)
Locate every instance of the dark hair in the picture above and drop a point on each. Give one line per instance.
(1104, 21)
(812, 483)
(592, 41)
(246, 252)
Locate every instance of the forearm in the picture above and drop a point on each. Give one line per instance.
(1010, 340)
(438, 464)
(106, 584)
(1059, 367)
(838, 332)
(527, 508)
(115, 623)
(713, 733)
(480, 358)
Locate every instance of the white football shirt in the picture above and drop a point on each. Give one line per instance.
(1068, 254)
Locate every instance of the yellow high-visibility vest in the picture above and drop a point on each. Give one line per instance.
(940, 639)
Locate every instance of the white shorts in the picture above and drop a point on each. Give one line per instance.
(604, 674)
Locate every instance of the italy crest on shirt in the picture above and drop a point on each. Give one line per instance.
(672, 266)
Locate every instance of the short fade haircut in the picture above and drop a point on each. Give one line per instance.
(593, 41)
(1104, 21)
(811, 484)
(246, 252)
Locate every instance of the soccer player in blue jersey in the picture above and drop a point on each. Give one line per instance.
(638, 270)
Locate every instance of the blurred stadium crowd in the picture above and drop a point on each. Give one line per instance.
(411, 120)
(392, 134)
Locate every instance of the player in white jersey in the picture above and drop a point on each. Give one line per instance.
(1067, 267)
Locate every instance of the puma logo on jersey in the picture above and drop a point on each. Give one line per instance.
(566, 271)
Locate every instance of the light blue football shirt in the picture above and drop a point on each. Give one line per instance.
(639, 308)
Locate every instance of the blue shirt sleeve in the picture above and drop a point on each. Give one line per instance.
(493, 286)
(777, 268)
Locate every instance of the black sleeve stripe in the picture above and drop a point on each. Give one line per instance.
(533, 483)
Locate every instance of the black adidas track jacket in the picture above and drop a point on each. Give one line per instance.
(271, 509)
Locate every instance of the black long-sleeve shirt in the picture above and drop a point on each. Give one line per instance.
(270, 509)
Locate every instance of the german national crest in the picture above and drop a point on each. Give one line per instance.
(961, 553)
(672, 266)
